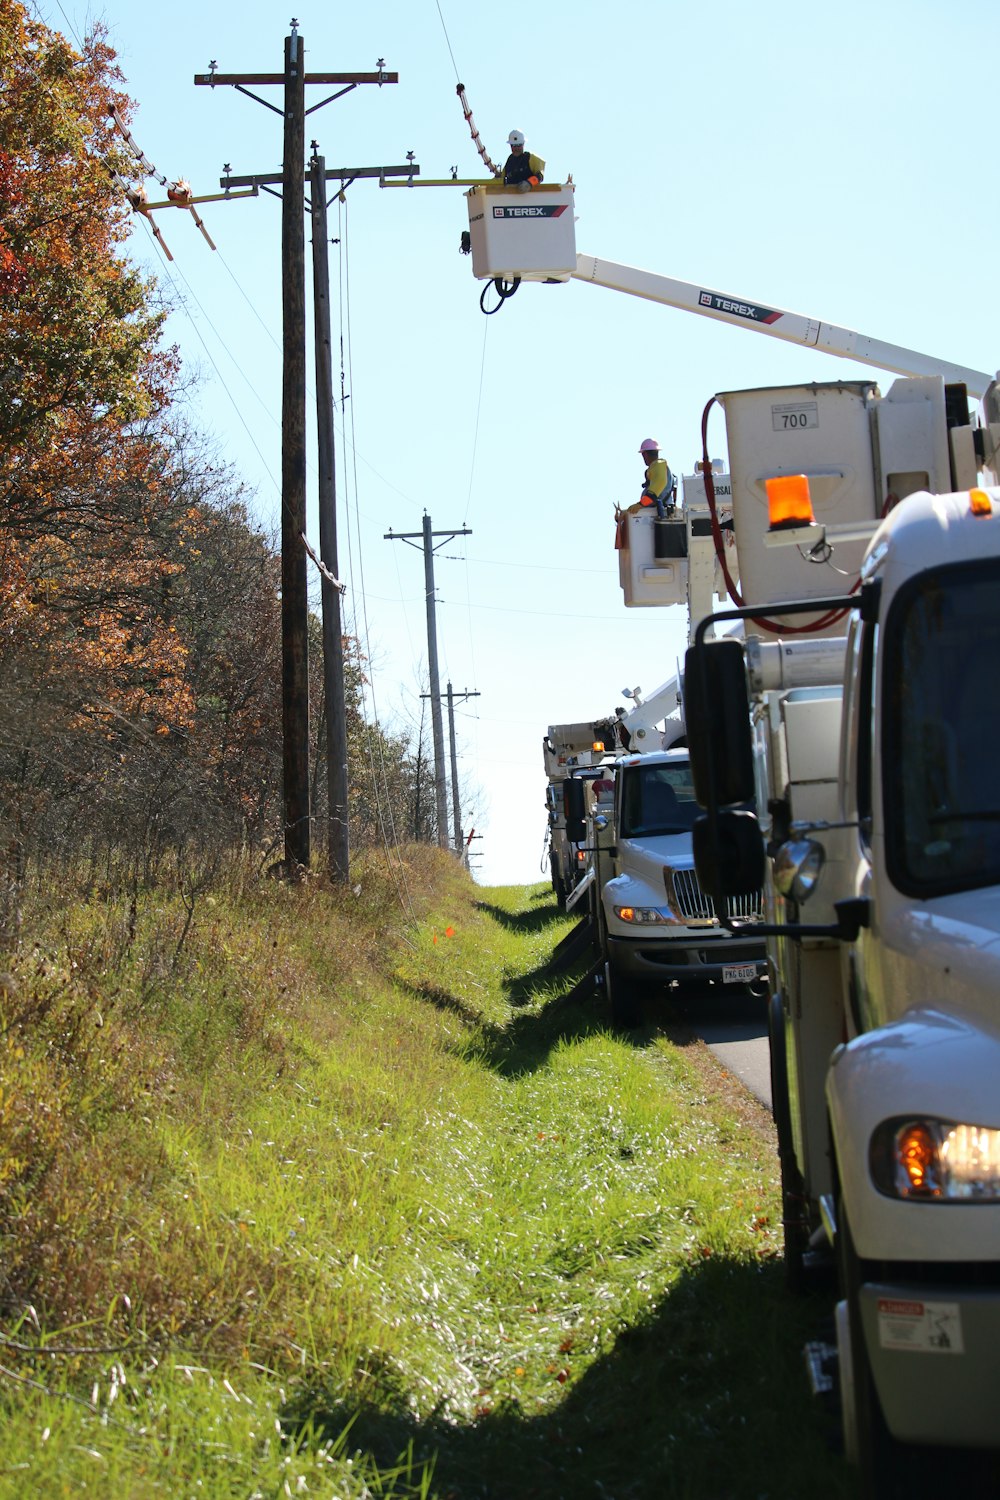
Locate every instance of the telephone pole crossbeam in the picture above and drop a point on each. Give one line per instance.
(211, 80)
(270, 179)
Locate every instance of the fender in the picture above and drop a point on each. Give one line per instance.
(927, 1064)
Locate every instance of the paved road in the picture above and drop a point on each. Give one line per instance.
(735, 1028)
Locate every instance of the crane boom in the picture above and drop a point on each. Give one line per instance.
(794, 328)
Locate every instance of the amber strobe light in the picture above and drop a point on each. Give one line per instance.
(788, 502)
(916, 1153)
(980, 503)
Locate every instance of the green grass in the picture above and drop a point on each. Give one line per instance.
(302, 1199)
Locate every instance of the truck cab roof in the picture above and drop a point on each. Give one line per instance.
(654, 758)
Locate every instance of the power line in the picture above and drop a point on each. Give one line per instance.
(446, 37)
(215, 367)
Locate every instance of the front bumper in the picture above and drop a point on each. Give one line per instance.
(934, 1352)
(691, 957)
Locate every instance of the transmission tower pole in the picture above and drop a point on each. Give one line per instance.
(294, 591)
(440, 784)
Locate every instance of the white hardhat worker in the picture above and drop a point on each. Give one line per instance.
(649, 445)
(522, 170)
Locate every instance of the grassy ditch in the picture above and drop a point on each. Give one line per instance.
(298, 1197)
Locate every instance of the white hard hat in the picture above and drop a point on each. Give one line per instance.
(649, 445)
(516, 138)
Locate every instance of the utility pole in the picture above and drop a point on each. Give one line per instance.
(294, 586)
(456, 812)
(426, 537)
(463, 697)
(294, 592)
(338, 841)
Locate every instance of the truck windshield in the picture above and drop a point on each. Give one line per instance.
(941, 694)
(657, 799)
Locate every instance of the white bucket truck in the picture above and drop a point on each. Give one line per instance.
(656, 924)
(570, 752)
(873, 680)
(865, 744)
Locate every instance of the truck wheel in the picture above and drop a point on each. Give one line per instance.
(557, 884)
(623, 997)
(794, 1208)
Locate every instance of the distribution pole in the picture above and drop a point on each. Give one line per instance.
(338, 842)
(294, 593)
(294, 586)
(440, 784)
(456, 811)
(440, 791)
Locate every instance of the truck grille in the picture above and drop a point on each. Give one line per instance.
(692, 903)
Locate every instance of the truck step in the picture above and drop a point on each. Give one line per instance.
(821, 1368)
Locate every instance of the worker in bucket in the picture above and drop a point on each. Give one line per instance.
(660, 486)
(521, 169)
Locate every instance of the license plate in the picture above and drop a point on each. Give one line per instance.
(738, 973)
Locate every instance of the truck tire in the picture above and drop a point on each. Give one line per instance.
(623, 997)
(794, 1208)
(557, 884)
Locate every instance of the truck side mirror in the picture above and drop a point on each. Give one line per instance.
(731, 864)
(574, 810)
(717, 715)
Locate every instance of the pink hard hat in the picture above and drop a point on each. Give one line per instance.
(649, 445)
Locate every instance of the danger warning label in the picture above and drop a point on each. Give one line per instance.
(927, 1327)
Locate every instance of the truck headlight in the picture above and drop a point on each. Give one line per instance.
(644, 915)
(936, 1160)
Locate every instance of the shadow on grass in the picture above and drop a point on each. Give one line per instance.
(705, 1399)
(443, 999)
(524, 1043)
(577, 1009)
(524, 922)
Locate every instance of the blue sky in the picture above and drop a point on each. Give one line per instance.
(835, 161)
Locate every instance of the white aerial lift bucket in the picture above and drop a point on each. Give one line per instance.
(673, 561)
(530, 236)
(645, 577)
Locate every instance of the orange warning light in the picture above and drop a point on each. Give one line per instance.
(916, 1152)
(980, 503)
(789, 502)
